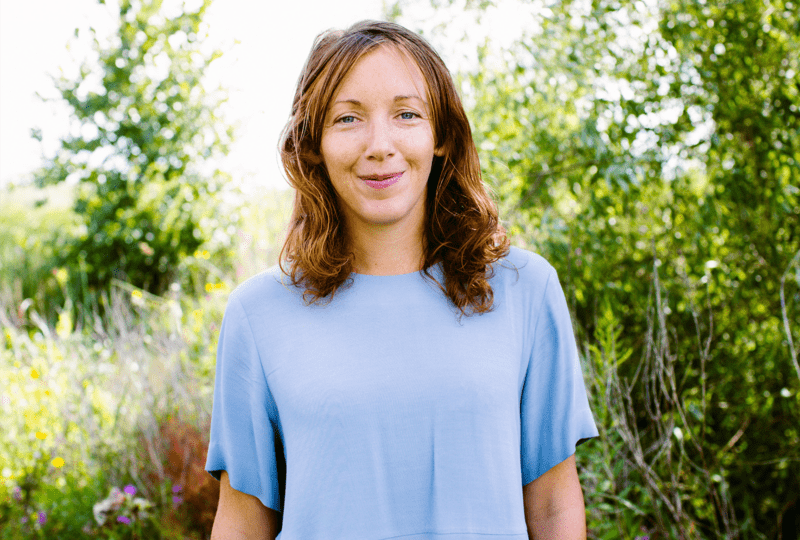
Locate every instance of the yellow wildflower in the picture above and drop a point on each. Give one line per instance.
(61, 276)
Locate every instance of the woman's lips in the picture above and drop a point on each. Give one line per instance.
(381, 177)
(381, 181)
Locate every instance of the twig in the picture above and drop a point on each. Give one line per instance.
(785, 317)
(737, 436)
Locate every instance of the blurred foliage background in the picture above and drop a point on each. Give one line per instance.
(648, 149)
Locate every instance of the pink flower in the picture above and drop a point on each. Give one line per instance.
(42, 518)
(130, 490)
(176, 489)
(146, 249)
(176, 500)
(124, 519)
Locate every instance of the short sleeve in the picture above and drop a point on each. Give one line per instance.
(554, 408)
(245, 437)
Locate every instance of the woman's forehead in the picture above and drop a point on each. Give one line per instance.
(386, 63)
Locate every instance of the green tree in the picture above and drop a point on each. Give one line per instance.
(145, 132)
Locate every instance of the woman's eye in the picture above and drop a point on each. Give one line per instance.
(347, 119)
(408, 115)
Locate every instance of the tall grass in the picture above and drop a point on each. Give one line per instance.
(123, 397)
(655, 480)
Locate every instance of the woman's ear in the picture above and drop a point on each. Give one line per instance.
(439, 151)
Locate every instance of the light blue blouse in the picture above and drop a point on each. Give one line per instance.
(381, 416)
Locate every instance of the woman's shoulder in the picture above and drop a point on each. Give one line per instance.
(531, 266)
(537, 283)
(267, 288)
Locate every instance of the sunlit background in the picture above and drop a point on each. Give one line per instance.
(264, 44)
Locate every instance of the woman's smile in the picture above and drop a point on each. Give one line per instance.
(382, 181)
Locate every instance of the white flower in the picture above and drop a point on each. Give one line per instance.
(141, 505)
(110, 504)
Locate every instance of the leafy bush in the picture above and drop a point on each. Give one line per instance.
(35, 225)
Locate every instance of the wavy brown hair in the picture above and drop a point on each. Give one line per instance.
(462, 230)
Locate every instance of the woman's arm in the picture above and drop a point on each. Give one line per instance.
(241, 516)
(554, 504)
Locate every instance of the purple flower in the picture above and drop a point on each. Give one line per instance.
(124, 519)
(17, 492)
(130, 490)
(176, 500)
(42, 518)
(176, 489)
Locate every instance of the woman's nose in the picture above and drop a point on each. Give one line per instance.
(380, 144)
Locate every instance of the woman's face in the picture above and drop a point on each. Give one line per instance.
(377, 141)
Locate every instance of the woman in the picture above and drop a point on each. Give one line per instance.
(411, 375)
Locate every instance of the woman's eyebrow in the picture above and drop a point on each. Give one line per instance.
(396, 98)
(412, 96)
(352, 101)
